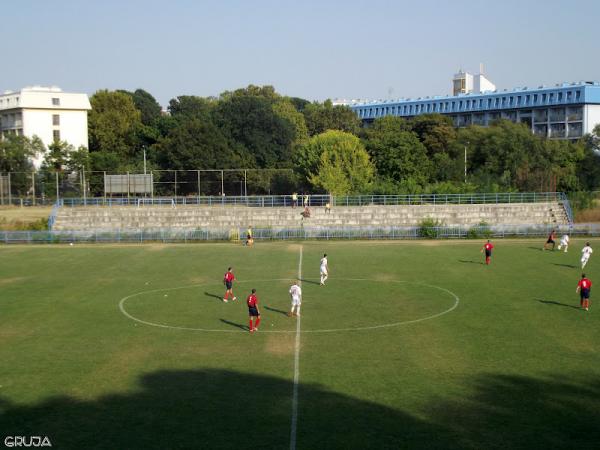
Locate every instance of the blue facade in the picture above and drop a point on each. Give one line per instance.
(544, 108)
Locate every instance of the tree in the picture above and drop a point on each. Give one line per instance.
(436, 132)
(285, 110)
(187, 107)
(16, 156)
(343, 163)
(57, 156)
(321, 117)
(17, 153)
(397, 153)
(195, 144)
(147, 105)
(251, 122)
(113, 123)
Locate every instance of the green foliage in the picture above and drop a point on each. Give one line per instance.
(581, 200)
(428, 228)
(398, 154)
(480, 231)
(342, 164)
(113, 123)
(16, 153)
(321, 117)
(58, 156)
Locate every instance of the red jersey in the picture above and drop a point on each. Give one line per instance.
(252, 301)
(488, 247)
(229, 277)
(584, 283)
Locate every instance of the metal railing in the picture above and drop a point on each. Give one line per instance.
(340, 233)
(321, 200)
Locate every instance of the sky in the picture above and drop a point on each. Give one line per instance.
(311, 49)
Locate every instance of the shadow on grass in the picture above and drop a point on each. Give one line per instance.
(211, 408)
(570, 266)
(307, 281)
(276, 310)
(218, 297)
(234, 324)
(539, 249)
(553, 302)
(471, 262)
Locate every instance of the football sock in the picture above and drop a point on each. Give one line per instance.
(257, 323)
(250, 325)
(298, 309)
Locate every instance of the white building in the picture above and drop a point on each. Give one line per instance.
(466, 83)
(46, 112)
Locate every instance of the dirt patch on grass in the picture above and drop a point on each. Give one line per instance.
(12, 280)
(280, 344)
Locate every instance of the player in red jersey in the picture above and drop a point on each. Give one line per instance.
(583, 287)
(252, 302)
(550, 240)
(488, 246)
(228, 282)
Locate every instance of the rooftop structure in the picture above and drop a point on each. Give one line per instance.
(46, 112)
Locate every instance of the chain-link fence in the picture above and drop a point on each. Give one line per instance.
(45, 187)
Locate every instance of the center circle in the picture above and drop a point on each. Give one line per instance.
(361, 298)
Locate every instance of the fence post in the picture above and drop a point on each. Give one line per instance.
(33, 187)
(9, 191)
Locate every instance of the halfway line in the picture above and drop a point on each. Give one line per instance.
(296, 369)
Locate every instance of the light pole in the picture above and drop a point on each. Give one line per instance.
(467, 143)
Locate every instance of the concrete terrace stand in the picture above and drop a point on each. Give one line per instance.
(193, 217)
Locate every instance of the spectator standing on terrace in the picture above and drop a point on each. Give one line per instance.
(249, 238)
(327, 207)
(294, 200)
(305, 200)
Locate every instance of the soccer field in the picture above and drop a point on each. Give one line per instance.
(408, 345)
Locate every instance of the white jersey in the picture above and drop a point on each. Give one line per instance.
(564, 240)
(295, 291)
(586, 252)
(323, 265)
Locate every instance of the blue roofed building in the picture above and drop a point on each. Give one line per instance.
(563, 111)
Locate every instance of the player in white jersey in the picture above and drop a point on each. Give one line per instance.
(564, 242)
(324, 269)
(585, 254)
(296, 294)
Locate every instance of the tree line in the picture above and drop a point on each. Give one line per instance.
(311, 147)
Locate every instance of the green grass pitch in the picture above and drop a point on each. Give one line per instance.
(388, 357)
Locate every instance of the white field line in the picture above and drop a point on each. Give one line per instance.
(333, 330)
(294, 425)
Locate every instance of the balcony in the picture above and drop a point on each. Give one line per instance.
(575, 130)
(557, 130)
(557, 115)
(574, 114)
(540, 130)
(540, 116)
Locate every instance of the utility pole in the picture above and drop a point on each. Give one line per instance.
(466, 162)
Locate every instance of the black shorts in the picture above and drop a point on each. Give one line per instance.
(585, 293)
(229, 284)
(253, 312)
(550, 241)
(488, 253)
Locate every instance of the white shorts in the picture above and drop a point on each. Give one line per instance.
(296, 301)
(563, 243)
(323, 270)
(584, 259)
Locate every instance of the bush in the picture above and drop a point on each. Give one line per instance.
(429, 228)
(482, 230)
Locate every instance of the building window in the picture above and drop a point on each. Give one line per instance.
(543, 98)
(55, 101)
(577, 95)
(560, 96)
(56, 135)
(55, 120)
(535, 98)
